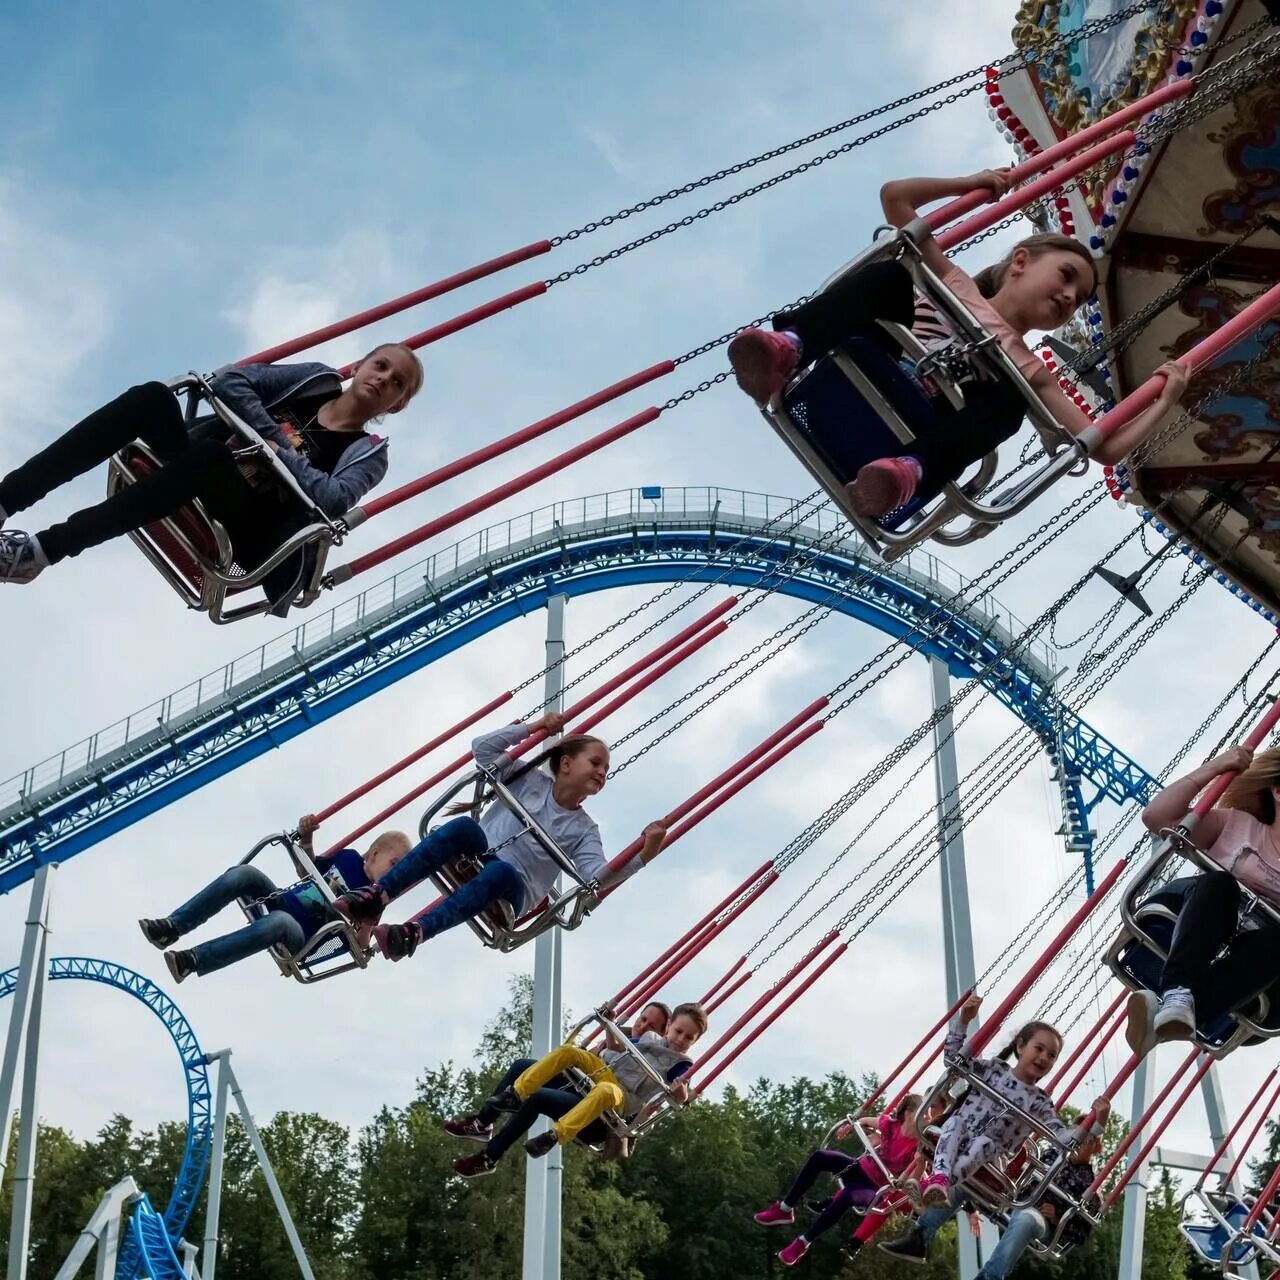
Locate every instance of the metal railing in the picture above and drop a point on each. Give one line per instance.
(735, 511)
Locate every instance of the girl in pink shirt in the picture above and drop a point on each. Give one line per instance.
(1042, 281)
(1214, 966)
(892, 1134)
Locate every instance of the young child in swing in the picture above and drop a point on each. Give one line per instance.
(978, 1130)
(893, 1134)
(1038, 285)
(518, 871)
(619, 1083)
(293, 917)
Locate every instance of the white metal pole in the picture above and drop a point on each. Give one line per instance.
(20, 1014)
(213, 1203)
(24, 1171)
(957, 930)
(264, 1163)
(543, 1178)
(1134, 1224)
(1216, 1113)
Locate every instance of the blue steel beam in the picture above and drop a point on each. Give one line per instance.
(104, 804)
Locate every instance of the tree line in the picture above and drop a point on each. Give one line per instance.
(381, 1203)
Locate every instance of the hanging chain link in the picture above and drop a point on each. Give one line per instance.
(1008, 62)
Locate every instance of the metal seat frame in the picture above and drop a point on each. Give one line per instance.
(956, 516)
(1214, 1205)
(309, 964)
(666, 1102)
(216, 581)
(1176, 842)
(497, 926)
(1020, 1180)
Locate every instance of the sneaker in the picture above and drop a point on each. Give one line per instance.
(763, 361)
(934, 1190)
(775, 1215)
(397, 941)
(793, 1252)
(910, 1248)
(505, 1100)
(851, 1248)
(475, 1166)
(160, 933)
(1140, 1034)
(182, 964)
(361, 906)
(539, 1146)
(21, 558)
(470, 1127)
(883, 486)
(911, 1189)
(1177, 1017)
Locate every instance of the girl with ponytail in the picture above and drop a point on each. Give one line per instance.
(552, 787)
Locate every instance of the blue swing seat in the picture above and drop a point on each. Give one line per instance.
(1209, 1239)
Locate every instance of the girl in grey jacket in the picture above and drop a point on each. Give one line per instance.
(315, 426)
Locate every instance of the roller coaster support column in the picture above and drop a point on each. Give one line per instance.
(213, 1205)
(24, 1042)
(102, 1233)
(957, 932)
(1219, 1125)
(542, 1178)
(227, 1080)
(1134, 1228)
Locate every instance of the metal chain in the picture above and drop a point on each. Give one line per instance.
(1009, 61)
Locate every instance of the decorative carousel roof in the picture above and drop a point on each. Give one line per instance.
(1156, 217)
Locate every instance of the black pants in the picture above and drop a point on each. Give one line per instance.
(1206, 923)
(883, 291)
(192, 467)
(553, 1100)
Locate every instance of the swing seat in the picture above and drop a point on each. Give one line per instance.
(1149, 911)
(192, 550)
(498, 926)
(1209, 1239)
(332, 949)
(867, 399)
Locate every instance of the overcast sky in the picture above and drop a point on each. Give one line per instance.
(179, 189)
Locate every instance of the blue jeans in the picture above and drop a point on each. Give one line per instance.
(1024, 1229)
(244, 881)
(496, 881)
(547, 1101)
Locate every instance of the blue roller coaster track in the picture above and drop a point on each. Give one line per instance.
(103, 784)
(195, 1070)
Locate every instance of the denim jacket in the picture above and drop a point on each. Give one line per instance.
(252, 391)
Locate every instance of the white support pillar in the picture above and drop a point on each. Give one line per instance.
(957, 930)
(543, 1178)
(264, 1162)
(213, 1202)
(102, 1233)
(1134, 1226)
(24, 1038)
(1216, 1113)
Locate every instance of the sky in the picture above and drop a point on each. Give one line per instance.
(178, 189)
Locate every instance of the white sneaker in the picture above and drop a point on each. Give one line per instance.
(21, 557)
(1140, 1033)
(1177, 1017)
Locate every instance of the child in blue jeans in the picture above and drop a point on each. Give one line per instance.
(518, 871)
(295, 914)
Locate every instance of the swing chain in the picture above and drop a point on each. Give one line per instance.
(774, 181)
(705, 385)
(1008, 62)
(733, 333)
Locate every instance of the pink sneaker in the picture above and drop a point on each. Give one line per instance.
(793, 1252)
(762, 362)
(775, 1216)
(884, 485)
(935, 1190)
